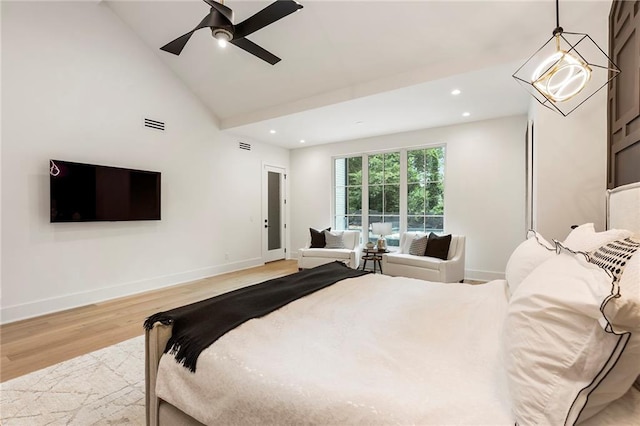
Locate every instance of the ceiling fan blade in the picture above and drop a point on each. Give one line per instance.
(226, 12)
(255, 50)
(178, 44)
(266, 16)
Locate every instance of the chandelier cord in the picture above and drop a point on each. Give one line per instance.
(558, 30)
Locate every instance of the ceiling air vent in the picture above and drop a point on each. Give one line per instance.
(153, 124)
(244, 145)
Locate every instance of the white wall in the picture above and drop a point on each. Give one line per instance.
(570, 171)
(76, 86)
(484, 186)
(570, 157)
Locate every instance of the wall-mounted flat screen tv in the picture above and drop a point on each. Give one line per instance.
(92, 193)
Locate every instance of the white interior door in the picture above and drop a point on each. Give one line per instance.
(273, 217)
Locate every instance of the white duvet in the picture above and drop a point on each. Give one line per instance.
(368, 350)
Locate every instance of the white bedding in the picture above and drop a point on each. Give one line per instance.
(624, 411)
(368, 350)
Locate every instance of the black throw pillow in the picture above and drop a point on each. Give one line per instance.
(317, 238)
(438, 246)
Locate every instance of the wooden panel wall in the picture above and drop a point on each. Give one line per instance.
(623, 107)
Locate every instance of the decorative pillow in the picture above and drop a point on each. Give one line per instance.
(622, 316)
(530, 254)
(407, 239)
(335, 240)
(622, 259)
(418, 246)
(317, 238)
(438, 246)
(585, 238)
(571, 344)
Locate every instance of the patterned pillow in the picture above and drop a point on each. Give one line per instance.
(418, 246)
(334, 240)
(614, 256)
(621, 259)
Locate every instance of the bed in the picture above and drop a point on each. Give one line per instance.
(373, 349)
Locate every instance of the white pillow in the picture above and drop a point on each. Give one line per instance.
(526, 257)
(585, 238)
(623, 313)
(564, 361)
(335, 240)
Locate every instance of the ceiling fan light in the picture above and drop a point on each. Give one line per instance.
(223, 36)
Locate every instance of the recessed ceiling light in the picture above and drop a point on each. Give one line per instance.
(466, 114)
(455, 92)
(272, 131)
(301, 140)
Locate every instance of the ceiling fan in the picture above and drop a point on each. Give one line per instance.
(220, 20)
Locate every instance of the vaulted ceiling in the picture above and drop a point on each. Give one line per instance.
(354, 69)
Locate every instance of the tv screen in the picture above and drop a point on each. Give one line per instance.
(92, 193)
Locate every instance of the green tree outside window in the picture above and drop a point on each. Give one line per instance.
(424, 191)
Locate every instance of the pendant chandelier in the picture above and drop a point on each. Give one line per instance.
(566, 71)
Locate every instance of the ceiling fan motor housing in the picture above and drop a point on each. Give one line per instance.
(221, 34)
(221, 27)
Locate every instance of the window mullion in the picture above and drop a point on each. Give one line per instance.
(365, 198)
(403, 191)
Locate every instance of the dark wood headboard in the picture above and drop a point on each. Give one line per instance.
(623, 108)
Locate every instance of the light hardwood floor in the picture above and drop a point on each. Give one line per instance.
(36, 343)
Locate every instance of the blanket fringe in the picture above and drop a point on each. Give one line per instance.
(161, 317)
(185, 351)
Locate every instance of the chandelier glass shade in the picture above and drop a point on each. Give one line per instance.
(566, 71)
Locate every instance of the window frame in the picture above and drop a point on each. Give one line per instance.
(334, 215)
(364, 216)
(426, 214)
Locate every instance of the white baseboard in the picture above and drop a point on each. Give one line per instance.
(470, 274)
(55, 304)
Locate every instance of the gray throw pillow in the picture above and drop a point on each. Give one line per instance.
(418, 246)
(334, 240)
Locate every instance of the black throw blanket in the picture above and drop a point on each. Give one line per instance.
(198, 325)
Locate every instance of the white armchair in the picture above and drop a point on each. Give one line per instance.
(350, 255)
(426, 268)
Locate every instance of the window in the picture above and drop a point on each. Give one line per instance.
(348, 193)
(405, 188)
(425, 190)
(384, 192)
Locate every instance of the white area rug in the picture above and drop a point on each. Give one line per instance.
(105, 387)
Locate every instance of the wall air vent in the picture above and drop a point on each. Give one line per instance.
(153, 124)
(244, 145)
